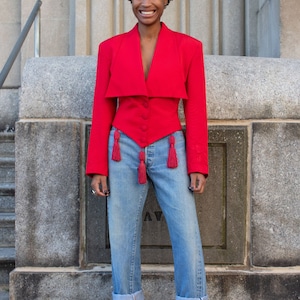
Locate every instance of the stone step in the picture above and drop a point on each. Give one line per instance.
(7, 208)
(7, 264)
(7, 203)
(7, 158)
(7, 197)
(7, 255)
(8, 161)
(7, 188)
(7, 144)
(7, 172)
(158, 283)
(7, 232)
(4, 293)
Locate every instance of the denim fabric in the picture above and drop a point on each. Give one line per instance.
(125, 206)
(183, 298)
(136, 296)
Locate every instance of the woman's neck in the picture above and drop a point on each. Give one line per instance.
(149, 32)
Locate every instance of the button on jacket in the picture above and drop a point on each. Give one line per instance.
(146, 109)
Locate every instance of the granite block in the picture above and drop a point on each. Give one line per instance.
(58, 87)
(95, 284)
(275, 194)
(47, 193)
(252, 88)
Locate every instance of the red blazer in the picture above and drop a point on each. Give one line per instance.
(148, 108)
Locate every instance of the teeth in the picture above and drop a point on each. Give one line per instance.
(147, 13)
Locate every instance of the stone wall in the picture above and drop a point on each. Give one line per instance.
(259, 95)
(236, 28)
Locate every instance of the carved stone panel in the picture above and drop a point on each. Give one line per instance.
(221, 209)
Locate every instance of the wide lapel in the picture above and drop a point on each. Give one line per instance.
(166, 75)
(127, 76)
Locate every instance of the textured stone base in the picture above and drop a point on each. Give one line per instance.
(158, 284)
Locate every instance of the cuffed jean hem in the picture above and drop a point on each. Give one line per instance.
(136, 296)
(182, 298)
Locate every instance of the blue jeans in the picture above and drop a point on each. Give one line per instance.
(125, 206)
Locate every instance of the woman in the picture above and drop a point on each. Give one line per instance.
(136, 138)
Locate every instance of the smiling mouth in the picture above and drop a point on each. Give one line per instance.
(147, 13)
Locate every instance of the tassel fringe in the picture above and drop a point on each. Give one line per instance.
(142, 175)
(116, 153)
(172, 158)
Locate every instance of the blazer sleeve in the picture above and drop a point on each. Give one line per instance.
(104, 110)
(196, 115)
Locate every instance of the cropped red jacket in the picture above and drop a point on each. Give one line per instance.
(147, 109)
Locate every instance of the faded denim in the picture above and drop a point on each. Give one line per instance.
(125, 206)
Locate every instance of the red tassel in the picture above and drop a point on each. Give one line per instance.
(142, 176)
(172, 158)
(116, 153)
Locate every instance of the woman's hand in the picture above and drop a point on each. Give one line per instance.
(198, 182)
(99, 185)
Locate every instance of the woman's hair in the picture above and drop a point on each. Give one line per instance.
(167, 3)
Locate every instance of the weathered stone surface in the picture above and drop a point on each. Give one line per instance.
(43, 284)
(9, 108)
(275, 194)
(58, 87)
(221, 209)
(258, 285)
(237, 88)
(47, 193)
(59, 90)
(252, 88)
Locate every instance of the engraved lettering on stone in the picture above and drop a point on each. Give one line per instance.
(157, 216)
(147, 217)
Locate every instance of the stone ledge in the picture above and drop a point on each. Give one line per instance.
(237, 87)
(252, 88)
(158, 283)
